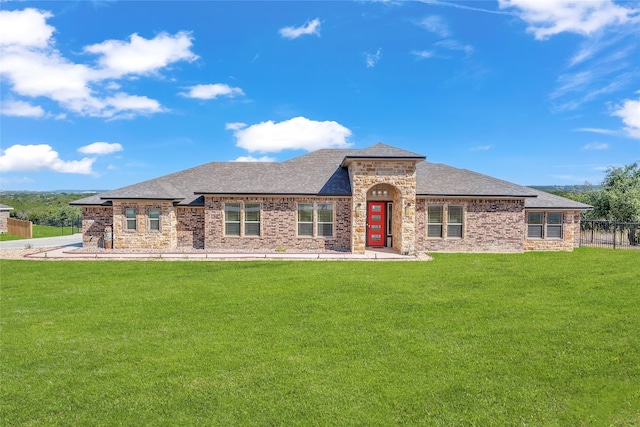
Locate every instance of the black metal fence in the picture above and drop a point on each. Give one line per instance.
(73, 224)
(610, 234)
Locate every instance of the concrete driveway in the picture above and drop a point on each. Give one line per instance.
(44, 242)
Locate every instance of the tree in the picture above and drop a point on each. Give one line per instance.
(619, 197)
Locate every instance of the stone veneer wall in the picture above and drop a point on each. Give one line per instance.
(96, 221)
(488, 226)
(570, 236)
(4, 215)
(401, 174)
(190, 227)
(142, 237)
(278, 222)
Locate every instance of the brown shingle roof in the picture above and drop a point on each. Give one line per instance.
(320, 173)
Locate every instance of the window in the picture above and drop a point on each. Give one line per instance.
(232, 219)
(305, 219)
(242, 219)
(535, 221)
(554, 225)
(454, 221)
(252, 219)
(154, 219)
(321, 214)
(130, 214)
(434, 219)
(325, 219)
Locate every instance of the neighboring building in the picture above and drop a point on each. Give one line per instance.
(331, 200)
(4, 215)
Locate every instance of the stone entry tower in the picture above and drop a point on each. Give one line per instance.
(377, 166)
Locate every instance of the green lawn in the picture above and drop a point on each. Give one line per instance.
(42, 231)
(535, 339)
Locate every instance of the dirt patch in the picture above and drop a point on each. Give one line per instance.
(17, 253)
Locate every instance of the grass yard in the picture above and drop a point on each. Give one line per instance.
(535, 339)
(42, 231)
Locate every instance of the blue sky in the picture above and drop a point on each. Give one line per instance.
(99, 95)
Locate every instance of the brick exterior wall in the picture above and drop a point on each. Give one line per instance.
(488, 226)
(278, 223)
(3, 221)
(96, 222)
(143, 237)
(570, 236)
(190, 227)
(401, 176)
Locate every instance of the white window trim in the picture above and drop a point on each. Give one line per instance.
(126, 219)
(545, 224)
(149, 220)
(444, 233)
(315, 222)
(242, 204)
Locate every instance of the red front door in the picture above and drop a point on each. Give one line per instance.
(376, 223)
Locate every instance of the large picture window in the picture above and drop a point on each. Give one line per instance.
(242, 219)
(544, 225)
(319, 217)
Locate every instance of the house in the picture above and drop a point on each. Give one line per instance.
(4, 216)
(331, 200)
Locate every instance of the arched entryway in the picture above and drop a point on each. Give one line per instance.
(380, 216)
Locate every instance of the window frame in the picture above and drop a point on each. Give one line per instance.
(439, 224)
(153, 220)
(545, 225)
(455, 225)
(128, 219)
(247, 222)
(559, 225)
(315, 222)
(241, 222)
(319, 223)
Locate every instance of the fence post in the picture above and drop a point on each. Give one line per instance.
(615, 234)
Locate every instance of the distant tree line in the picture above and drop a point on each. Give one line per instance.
(43, 208)
(617, 199)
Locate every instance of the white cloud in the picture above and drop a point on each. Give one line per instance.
(26, 27)
(598, 130)
(309, 28)
(140, 55)
(629, 112)
(596, 146)
(254, 159)
(454, 45)
(481, 148)
(298, 133)
(34, 68)
(213, 91)
(101, 148)
(435, 24)
(547, 18)
(423, 54)
(235, 126)
(373, 58)
(21, 109)
(33, 158)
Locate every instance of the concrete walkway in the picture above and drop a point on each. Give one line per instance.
(66, 247)
(69, 252)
